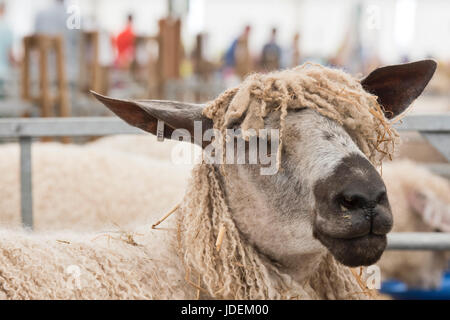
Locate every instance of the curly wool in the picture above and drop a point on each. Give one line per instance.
(331, 92)
(68, 265)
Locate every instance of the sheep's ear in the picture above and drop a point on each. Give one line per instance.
(432, 210)
(398, 86)
(145, 114)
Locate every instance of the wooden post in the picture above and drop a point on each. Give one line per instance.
(26, 69)
(63, 94)
(169, 57)
(91, 75)
(44, 44)
(97, 76)
(153, 70)
(64, 105)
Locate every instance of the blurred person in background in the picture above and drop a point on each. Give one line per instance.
(271, 53)
(53, 21)
(125, 45)
(237, 57)
(6, 58)
(291, 57)
(295, 51)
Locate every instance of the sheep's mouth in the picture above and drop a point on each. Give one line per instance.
(353, 252)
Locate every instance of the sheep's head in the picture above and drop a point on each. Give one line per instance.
(326, 188)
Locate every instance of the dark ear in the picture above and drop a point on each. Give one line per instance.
(145, 114)
(399, 85)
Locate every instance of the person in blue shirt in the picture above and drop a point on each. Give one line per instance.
(6, 41)
(271, 53)
(53, 20)
(230, 54)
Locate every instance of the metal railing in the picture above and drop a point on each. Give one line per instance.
(433, 127)
(26, 129)
(419, 241)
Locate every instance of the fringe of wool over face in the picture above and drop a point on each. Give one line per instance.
(331, 92)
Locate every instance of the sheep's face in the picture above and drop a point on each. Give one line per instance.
(325, 190)
(327, 195)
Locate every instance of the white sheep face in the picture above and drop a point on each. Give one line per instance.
(326, 195)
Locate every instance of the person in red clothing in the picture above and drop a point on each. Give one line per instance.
(125, 45)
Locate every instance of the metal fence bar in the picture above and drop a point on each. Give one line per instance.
(58, 127)
(435, 128)
(26, 194)
(418, 241)
(425, 122)
(98, 126)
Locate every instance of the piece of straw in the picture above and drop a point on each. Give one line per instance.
(198, 290)
(190, 282)
(166, 216)
(220, 238)
(63, 241)
(359, 280)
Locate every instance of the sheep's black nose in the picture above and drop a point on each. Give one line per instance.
(360, 196)
(352, 202)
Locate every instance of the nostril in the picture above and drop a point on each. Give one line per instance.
(382, 197)
(361, 197)
(353, 201)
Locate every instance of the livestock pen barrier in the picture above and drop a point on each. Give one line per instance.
(434, 128)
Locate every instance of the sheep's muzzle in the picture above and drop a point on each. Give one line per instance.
(353, 214)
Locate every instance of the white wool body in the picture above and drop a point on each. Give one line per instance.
(67, 265)
(91, 188)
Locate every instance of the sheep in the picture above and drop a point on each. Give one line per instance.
(414, 192)
(242, 232)
(86, 188)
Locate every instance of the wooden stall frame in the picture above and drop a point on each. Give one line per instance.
(44, 44)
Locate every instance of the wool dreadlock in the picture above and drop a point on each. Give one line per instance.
(331, 92)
